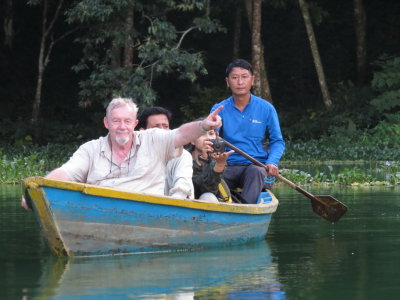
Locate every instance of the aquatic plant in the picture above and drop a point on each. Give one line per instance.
(24, 159)
(347, 176)
(351, 176)
(21, 160)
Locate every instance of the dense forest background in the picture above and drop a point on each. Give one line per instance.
(62, 61)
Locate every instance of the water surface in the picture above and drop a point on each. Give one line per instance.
(303, 257)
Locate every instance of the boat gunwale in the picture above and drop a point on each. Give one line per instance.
(95, 190)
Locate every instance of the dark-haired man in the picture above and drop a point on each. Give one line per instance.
(247, 121)
(179, 170)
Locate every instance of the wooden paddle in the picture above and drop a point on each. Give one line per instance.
(326, 206)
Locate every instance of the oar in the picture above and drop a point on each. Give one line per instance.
(326, 206)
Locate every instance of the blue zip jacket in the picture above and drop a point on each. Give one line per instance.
(247, 130)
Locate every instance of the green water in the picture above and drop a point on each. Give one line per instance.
(303, 257)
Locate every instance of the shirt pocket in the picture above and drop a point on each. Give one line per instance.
(255, 129)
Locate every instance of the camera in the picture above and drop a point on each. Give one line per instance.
(218, 145)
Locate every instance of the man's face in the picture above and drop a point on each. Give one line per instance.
(121, 123)
(240, 81)
(159, 121)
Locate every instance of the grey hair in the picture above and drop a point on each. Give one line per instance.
(121, 102)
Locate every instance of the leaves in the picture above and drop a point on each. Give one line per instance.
(347, 177)
(157, 44)
(23, 160)
(380, 143)
(386, 81)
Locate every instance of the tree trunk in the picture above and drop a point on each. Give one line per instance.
(315, 53)
(8, 24)
(261, 85)
(116, 56)
(265, 88)
(361, 48)
(44, 54)
(237, 31)
(256, 45)
(41, 67)
(39, 85)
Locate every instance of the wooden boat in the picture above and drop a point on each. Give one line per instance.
(83, 220)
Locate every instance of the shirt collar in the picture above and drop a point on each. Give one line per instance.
(232, 102)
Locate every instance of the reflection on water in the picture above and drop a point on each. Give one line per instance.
(19, 231)
(214, 274)
(21, 246)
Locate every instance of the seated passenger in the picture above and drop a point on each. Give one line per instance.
(208, 167)
(179, 170)
(128, 159)
(247, 121)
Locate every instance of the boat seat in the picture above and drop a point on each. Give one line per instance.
(264, 197)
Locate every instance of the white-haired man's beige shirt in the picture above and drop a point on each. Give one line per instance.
(143, 171)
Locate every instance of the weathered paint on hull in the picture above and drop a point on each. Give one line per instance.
(84, 220)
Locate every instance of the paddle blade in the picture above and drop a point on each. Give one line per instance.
(328, 207)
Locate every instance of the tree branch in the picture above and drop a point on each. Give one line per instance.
(55, 17)
(53, 42)
(184, 34)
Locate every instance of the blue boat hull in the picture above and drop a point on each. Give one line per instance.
(83, 220)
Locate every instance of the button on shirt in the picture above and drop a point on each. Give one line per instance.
(142, 171)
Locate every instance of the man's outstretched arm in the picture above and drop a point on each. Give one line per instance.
(191, 131)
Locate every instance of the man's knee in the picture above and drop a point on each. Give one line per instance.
(256, 171)
(232, 175)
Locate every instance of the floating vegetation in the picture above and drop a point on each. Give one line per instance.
(348, 176)
(23, 160)
(20, 161)
(362, 147)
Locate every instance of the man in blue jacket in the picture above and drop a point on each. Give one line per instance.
(247, 122)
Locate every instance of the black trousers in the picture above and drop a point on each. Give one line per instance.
(250, 178)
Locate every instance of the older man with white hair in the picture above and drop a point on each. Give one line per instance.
(128, 159)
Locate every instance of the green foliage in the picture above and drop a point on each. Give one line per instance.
(388, 77)
(155, 39)
(351, 176)
(201, 101)
(16, 168)
(347, 176)
(391, 167)
(386, 83)
(379, 144)
(392, 171)
(20, 131)
(22, 160)
(351, 112)
(297, 176)
(367, 116)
